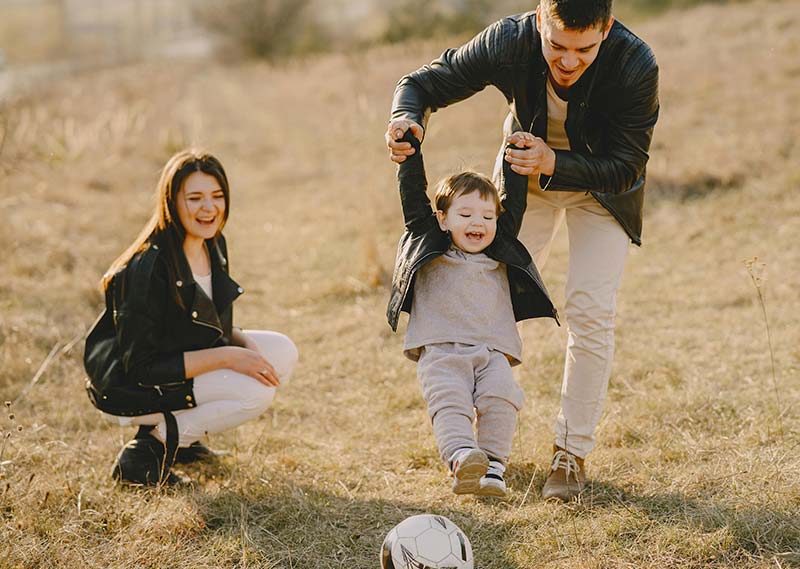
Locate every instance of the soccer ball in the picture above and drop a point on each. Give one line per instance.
(426, 542)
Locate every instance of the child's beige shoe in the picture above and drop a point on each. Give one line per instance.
(567, 477)
(468, 466)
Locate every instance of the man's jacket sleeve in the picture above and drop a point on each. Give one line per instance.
(630, 131)
(456, 75)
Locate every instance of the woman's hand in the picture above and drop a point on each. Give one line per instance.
(250, 362)
(240, 338)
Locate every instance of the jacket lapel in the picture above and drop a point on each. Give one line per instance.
(204, 311)
(226, 290)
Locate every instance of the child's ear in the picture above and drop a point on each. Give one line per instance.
(441, 217)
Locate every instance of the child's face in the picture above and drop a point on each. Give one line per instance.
(471, 221)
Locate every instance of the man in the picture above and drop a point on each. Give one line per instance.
(582, 92)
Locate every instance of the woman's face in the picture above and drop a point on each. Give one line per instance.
(201, 206)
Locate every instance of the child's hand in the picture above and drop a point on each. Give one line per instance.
(533, 156)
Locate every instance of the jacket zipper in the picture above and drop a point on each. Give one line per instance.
(160, 385)
(201, 323)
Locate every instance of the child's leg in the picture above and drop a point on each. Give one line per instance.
(498, 398)
(446, 374)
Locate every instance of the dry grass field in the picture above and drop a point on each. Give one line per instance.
(698, 460)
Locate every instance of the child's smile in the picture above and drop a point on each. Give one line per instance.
(471, 221)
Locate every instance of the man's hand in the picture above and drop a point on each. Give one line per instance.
(395, 131)
(534, 156)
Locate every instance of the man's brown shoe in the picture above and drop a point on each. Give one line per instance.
(567, 477)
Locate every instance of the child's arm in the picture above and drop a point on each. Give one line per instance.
(417, 212)
(514, 199)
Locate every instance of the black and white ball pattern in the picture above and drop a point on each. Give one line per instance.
(426, 541)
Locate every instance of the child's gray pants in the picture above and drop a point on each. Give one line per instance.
(459, 379)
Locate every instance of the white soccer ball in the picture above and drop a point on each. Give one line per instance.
(426, 542)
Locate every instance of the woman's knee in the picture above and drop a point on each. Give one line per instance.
(278, 349)
(258, 398)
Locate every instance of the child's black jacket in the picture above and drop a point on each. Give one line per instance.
(424, 240)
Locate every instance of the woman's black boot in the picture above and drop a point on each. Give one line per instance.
(146, 460)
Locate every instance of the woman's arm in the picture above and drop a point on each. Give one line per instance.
(241, 359)
(139, 320)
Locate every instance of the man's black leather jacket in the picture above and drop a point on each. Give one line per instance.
(612, 110)
(134, 352)
(424, 240)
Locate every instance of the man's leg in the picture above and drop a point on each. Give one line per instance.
(543, 218)
(597, 249)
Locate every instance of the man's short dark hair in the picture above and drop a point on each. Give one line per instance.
(578, 14)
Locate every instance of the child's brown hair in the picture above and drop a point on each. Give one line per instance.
(465, 183)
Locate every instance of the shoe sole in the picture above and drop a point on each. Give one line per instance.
(492, 491)
(561, 494)
(469, 474)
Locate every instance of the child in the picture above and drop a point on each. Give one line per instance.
(465, 280)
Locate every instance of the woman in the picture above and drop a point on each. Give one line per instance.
(164, 355)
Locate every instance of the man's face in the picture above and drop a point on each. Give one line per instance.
(568, 53)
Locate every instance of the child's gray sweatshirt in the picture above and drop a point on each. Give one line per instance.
(463, 298)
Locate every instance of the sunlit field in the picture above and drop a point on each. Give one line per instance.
(698, 451)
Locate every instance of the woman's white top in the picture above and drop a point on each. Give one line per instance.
(205, 284)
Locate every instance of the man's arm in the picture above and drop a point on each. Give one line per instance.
(456, 75)
(623, 161)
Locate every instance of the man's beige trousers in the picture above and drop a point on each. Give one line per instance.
(597, 249)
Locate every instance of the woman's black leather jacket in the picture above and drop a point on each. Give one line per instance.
(612, 109)
(424, 240)
(134, 352)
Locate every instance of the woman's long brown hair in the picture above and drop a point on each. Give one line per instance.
(165, 223)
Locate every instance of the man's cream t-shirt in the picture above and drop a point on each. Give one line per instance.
(556, 133)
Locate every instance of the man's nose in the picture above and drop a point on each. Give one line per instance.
(569, 61)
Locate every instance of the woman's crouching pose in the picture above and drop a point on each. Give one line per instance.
(164, 355)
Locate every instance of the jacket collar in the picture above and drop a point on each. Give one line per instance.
(225, 289)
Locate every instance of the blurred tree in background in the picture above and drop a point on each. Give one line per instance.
(268, 29)
(409, 19)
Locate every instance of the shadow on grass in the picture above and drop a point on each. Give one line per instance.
(687, 189)
(286, 525)
(276, 523)
(765, 530)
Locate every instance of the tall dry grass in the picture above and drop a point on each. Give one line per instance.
(694, 468)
